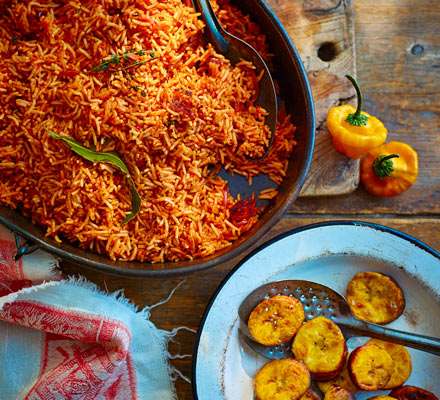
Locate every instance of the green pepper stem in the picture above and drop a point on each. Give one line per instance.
(358, 93)
(387, 158)
(383, 166)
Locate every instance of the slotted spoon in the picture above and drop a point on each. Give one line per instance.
(320, 300)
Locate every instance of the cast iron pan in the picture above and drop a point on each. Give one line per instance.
(296, 94)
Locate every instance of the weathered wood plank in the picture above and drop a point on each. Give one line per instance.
(323, 32)
(398, 67)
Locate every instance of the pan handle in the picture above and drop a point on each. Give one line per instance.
(27, 247)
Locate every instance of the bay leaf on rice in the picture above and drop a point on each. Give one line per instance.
(106, 157)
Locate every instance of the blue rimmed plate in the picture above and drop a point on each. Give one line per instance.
(328, 253)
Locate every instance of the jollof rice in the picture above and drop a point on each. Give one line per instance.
(176, 112)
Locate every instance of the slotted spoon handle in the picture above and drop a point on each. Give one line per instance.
(420, 342)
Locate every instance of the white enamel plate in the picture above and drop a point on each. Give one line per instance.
(330, 254)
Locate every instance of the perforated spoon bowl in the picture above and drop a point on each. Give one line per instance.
(320, 300)
(235, 49)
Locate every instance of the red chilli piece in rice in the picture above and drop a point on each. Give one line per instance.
(181, 103)
(243, 211)
(215, 60)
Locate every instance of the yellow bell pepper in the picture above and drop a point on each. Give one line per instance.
(355, 132)
(390, 169)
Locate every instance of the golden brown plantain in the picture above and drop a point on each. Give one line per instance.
(370, 367)
(412, 393)
(282, 379)
(310, 395)
(320, 344)
(374, 297)
(276, 320)
(343, 380)
(336, 392)
(401, 360)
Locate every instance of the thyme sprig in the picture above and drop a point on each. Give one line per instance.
(123, 62)
(136, 88)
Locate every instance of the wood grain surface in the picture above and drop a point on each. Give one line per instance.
(398, 66)
(323, 33)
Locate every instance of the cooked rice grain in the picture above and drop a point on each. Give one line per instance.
(175, 120)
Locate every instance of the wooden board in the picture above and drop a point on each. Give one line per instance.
(398, 68)
(323, 33)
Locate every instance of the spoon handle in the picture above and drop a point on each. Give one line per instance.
(213, 27)
(416, 341)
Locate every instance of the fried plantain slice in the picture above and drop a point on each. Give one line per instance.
(276, 320)
(320, 344)
(374, 297)
(401, 360)
(282, 379)
(370, 367)
(343, 380)
(412, 393)
(381, 397)
(310, 395)
(336, 392)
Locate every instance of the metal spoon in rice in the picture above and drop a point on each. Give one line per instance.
(235, 49)
(320, 300)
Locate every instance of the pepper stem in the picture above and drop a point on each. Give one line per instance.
(356, 119)
(358, 94)
(383, 166)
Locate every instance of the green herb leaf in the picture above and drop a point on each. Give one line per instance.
(116, 59)
(135, 88)
(100, 67)
(106, 157)
(15, 40)
(135, 204)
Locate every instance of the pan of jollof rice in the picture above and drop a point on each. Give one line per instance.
(137, 79)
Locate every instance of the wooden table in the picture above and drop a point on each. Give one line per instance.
(398, 67)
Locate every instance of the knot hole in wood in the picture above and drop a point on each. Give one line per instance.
(327, 51)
